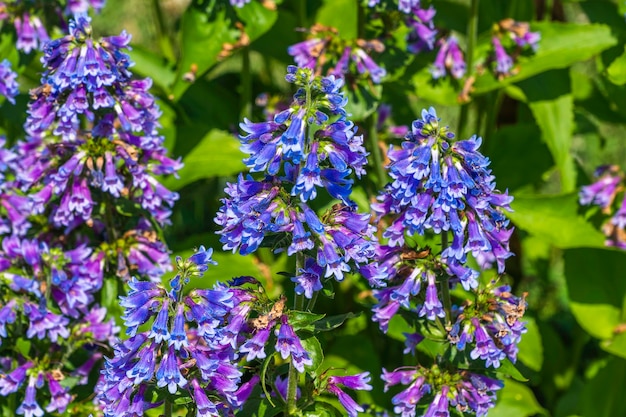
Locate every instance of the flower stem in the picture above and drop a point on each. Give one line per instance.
(376, 151)
(472, 32)
(246, 84)
(445, 283)
(167, 408)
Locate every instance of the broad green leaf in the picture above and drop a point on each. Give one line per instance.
(616, 346)
(562, 44)
(552, 104)
(217, 154)
(333, 322)
(597, 289)
(598, 320)
(555, 219)
(442, 91)
(202, 39)
(256, 18)
(531, 347)
(617, 70)
(340, 14)
(556, 120)
(303, 320)
(314, 349)
(603, 395)
(518, 156)
(516, 400)
(156, 67)
(322, 409)
(508, 368)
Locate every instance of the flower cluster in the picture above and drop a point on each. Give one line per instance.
(510, 39)
(298, 163)
(67, 194)
(28, 18)
(443, 186)
(93, 141)
(606, 193)
(449, 59)
(342, 58)
(187, 347)
(8, 83)
(465, 391)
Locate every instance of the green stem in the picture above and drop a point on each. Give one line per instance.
(547, 11)
(165, 42)
(445, 283)
(312, 301)
(472, 34)
(302, 21)
(246, 85)
(167, 408)
(292, 383)
(376, 151)
(493, 109)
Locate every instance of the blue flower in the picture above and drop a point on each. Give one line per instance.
(169, 374)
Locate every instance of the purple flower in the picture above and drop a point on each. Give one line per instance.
(29, 406)
(504, 63)
(8, 83)
(288, 343)
(13, 381)
(60, 397)
(255, 346)
(169, 374)
(205, 407)
(449, 59)
(308, 281)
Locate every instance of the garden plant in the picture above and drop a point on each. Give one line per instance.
(312, 208)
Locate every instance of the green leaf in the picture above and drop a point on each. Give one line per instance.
(555, 219)
(518, 156)
(303, 320)
(531, 347)
(149, 64)
(340, 14)
(442, 91)
(616, 72)
(314, 349)
(217, 154)
(362, 100)
(263, 377)
(202, 39)
(616, 345)
(322, 409)
(516, 400)
(507, 368)
(562, 44)
(256, 18)
(597, 292)
(23, 346)
(333, 322)
(603, 395)
(552, 104)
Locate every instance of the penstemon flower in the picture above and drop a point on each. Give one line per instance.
(510, 39)
(449, 59)
(325, 51)
(608, 194)
(302, 165)
(443, 186)
(8, 83)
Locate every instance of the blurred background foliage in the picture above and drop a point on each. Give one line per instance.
(546, 129)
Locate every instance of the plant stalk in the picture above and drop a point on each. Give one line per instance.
(376, 151)
(472, 34)
(445, 283)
